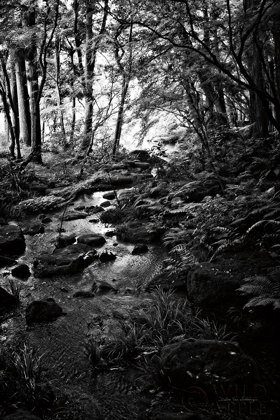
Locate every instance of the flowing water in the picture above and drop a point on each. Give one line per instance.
(62, 342)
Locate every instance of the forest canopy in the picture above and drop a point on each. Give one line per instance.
(73, 72)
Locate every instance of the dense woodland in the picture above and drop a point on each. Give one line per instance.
(163, 301)
(208, 64)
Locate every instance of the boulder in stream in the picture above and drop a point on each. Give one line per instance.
(21, 271)
(69, 260)
(11, 240)
(92, 239)
(65, 240)
(121, 180)
(45, 310)
(105, 204)
(107, 256)
(74, 215)
(140, 249)
(135, 232)
(109, 195)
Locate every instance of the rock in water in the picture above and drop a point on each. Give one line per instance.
(11, 240)
(93, 239)
(107, 256)
(140, 249)
(21, 271)
(69, 260)
(45, 310)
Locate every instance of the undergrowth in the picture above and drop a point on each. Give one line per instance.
(163, 319)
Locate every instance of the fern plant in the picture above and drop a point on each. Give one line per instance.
(265, 290)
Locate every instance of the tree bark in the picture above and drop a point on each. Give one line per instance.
(23, 99)
(119, 125)
(33, 89)
(15, 110)
(58, 93)
(276, 38)
(90, 60)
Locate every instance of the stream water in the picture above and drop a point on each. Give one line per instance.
(62, 342)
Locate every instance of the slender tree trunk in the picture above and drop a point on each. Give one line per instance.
(14, 97)
(23, 99)
(90, 60)
(9, 125)
(276, 38)
(88, 77)
(119, 125)
(58, 93)
(73, 121)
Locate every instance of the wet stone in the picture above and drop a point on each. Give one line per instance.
(21, 271)
(140, 249)
(107, 256)
(105, 204)
(11, 240)
(109, 196)
(94, 220)
(69, 260)
(45, 310)
(65, 240)
(74, 215)
(93, 239)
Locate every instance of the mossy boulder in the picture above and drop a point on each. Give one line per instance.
(69, 260)
(206, 363)
(40, 311)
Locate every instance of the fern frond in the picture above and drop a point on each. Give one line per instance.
(275, 274)
(263, 223)
(250, 289)
(183, 254)
(263, 301)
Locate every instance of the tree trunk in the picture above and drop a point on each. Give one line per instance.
(258, 113)
(58, 93)
(23, 99)
(33, 88)
(90, 60)
(15, 111)
(73, 122)
(88, 77)
(9, 125)
(119, 125)
(276, 38)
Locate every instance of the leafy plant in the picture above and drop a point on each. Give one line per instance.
(92, 351)
(26, 378)
(264, 289)
(207, 329)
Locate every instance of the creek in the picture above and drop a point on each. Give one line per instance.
(62, 342)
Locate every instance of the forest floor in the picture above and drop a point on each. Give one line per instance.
(176, 316)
